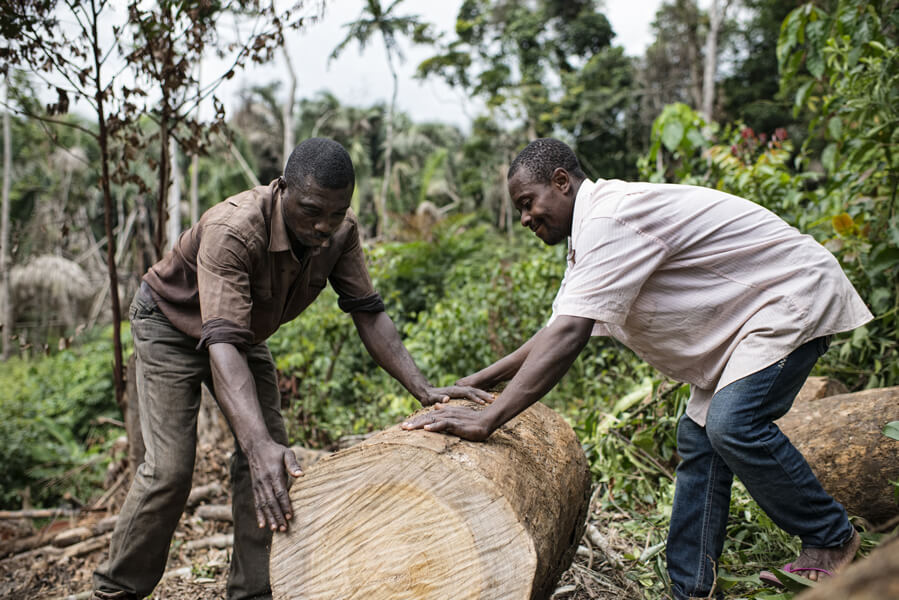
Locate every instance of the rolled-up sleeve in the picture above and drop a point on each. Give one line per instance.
(612, 261)
(223, 280)
(350, 278)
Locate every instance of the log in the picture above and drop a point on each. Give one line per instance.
(873, 578)
(214, 512)
(202, 493)
(415, 514)
(842, 439)
(816, 388)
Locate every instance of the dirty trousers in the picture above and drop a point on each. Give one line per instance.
(170, 371)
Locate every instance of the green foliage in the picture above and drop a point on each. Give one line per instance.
(51, 442)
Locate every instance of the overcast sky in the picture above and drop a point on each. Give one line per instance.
(362, 79)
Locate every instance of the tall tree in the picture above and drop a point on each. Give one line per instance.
(170, 38)
(750, 90)
(5, 307)
(385, 23)
(550, 68)
(717, 14)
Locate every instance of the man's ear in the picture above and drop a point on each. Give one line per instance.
(561, 179)
(282, 183)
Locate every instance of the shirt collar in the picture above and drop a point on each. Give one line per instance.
(581, 208)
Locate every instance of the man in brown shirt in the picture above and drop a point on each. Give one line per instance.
(202, 314)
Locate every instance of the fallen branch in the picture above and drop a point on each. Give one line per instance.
(179, 572)
(112, 490)
(203, 492)
(88, 546)
(37, 513)
(214, 512)
(79, 534)
(602, 543)
(222, 540)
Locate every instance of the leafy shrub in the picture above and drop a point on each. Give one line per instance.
(48, 411)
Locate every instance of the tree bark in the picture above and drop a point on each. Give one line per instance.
(422, 515)
(173, 226)
(103, 140)
(287, 109)
(381, 206)
(717, 12)
(842, 439)
(873, 578)
(6, 323)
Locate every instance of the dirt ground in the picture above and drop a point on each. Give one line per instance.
(46, 572)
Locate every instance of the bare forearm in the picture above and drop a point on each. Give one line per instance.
(383, 343)
(549, 355)
(235, 391)
(502, 370)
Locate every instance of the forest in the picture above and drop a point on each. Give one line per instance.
(793, 105)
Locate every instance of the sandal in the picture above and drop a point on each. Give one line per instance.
(770, 578)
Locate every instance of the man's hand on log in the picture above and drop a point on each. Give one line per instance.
(433, 395)
(270, 463)
(467, 423)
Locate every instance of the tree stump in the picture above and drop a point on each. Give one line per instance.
(842, 439)
(414, 514)
(873, 578)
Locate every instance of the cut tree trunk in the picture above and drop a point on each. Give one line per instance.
(414, 514)
(842, 439)
(873, 578)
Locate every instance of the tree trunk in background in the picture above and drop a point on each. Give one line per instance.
(842, 439)
(423, 515)
(103, 140)
(716, 18)
(173, 227)
(5, 301)
(873, 578)
(287, 108)
(194, 190)
(381, 207)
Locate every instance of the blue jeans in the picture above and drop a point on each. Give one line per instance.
(740, 438)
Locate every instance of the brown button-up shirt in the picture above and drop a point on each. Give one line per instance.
(234, 277)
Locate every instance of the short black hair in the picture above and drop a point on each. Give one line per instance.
(543, 156)
(325, 160)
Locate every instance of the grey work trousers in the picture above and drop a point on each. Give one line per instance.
(170, 371)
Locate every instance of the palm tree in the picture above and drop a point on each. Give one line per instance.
(374, 19)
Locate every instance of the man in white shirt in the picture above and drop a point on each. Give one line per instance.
(710, 289)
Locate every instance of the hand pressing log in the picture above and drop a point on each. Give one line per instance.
(414, 514)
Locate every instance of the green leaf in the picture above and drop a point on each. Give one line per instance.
(835, 128)
(803, 92)
(882, 259)
(891, 430)
(672, 134)
(829, 158)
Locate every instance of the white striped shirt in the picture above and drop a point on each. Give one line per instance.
(705, 286)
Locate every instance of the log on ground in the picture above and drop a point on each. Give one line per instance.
(873, 578)
(842, 439)
(414, 514)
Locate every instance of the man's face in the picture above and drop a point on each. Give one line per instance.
(545, 209)
(313, 214)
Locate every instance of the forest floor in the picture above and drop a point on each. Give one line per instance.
(47, 571)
